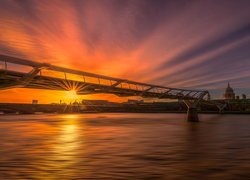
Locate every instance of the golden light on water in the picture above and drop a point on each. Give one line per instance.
(66, 146)
(70, 116)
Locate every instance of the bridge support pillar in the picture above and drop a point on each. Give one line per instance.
(192, 114)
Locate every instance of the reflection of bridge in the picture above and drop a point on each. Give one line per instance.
(20, 73)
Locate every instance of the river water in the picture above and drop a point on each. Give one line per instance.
(124, 146)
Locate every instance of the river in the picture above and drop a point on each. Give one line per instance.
(124, 146)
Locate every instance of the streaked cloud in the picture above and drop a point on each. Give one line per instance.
(191, 44)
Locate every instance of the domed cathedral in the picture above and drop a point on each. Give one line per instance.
(229, 93)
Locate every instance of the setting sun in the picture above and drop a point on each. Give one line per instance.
(71, 95)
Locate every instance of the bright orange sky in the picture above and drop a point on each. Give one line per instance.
(47, 96)
(199, 44)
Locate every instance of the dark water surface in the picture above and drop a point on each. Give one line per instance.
(124, 146)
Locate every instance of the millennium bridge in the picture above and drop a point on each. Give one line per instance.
(21, 73)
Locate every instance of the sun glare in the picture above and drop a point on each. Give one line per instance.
(71, 95)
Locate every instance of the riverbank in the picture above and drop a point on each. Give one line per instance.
(167, 107)
(139, 112)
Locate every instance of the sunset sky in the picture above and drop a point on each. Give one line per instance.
(199, 44)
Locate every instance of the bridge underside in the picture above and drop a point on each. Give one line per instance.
(10, 79)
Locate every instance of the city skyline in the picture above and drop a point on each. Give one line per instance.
(184, 44)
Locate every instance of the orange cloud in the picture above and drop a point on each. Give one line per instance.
(134, 40)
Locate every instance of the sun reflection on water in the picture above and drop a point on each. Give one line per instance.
(67, 139)
(71, 116)
(67, 146)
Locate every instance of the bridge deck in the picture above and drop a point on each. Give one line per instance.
(46, 76)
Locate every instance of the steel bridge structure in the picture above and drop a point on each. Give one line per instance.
(21, 73)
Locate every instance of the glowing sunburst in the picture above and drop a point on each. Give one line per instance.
(71, 95)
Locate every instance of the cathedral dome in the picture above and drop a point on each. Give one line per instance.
(229, 92)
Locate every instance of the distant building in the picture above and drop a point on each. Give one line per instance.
(95, 102)
(229, 93)
(244, 96)
(134, 101)
(34, 101)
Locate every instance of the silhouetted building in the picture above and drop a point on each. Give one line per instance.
(229, 93)
(133, 101)
(95, 102)
(34, 101)
(244, 96)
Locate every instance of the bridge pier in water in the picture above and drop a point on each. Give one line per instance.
(192, 114)
(192, 110)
